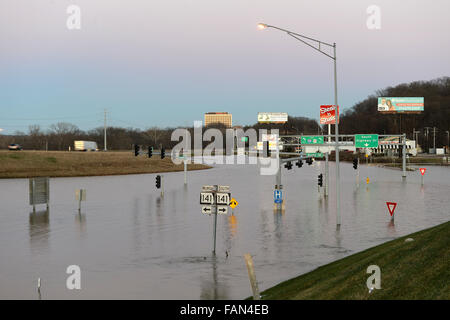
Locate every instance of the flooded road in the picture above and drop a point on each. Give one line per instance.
(131, 243)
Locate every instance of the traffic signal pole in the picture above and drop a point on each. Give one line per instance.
(326, 172)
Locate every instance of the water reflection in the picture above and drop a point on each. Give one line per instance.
(39, 229)
(80, 220)
(211, 288)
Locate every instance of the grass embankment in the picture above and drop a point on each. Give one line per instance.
(26, 164)
(409, 270)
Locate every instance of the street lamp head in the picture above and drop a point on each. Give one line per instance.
(262, 26)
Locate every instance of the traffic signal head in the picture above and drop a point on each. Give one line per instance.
(299, 163)
(355, 164)
(163, 153)
(320, 180)
(150, 151)
(309, 161)
(288, 165)
(136, 150)
(158, 181)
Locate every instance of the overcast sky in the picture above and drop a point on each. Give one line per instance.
(166, 62)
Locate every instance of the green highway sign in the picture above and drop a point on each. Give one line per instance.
(366, 141)
(244, 139)
(315, 155)
(311, 140)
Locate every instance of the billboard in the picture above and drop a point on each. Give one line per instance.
(328, 114)
(273, 139)
(405, 104)
(272, 117)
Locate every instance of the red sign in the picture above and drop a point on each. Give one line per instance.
(422, 170)
(391, 207)
(328, 114)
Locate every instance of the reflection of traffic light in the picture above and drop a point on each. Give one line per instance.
(150, 151)
(136, 150)
(266, 149)
(163, 153)
(288, 165)
(309, 161)
(320, 180)
(158, 181)
(355, 164)
(299, 163)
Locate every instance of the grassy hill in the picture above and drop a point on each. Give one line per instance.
(409, 270)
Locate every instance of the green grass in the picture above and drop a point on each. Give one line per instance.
(409, 270)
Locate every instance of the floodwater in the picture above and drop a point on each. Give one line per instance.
(131, 243)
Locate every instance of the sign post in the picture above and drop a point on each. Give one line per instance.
(422, 171)
(215, 200)
(80, 195)
(391, 207)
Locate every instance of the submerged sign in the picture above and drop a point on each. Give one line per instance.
(405, 104)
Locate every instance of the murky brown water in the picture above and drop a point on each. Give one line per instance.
(130, 243)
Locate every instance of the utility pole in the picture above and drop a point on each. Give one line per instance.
(434, 139)
(104, 127)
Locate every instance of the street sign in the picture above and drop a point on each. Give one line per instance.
(366, 141)
(422, 171)
(233, 203)
(39, 191)
(222, 198)
(223, 189)
(209, 188)
(311, 140)
(391, 207)
(222, 209)
(206, 198)
(315, 155)
(207, 209)
(80, 195)
(277, 196)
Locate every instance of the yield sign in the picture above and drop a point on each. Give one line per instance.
(422, 170)
(391, 207)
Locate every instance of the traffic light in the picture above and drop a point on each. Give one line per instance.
(150, 151)
(163, 153)
(158, 181)
(299, 163)
(309, 161)
(355, 164)
(320, 180)
(288, 165)
(136, 150)
(266, 149)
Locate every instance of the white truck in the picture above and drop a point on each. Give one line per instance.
(85, 145)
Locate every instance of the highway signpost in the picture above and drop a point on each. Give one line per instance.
(366, 141)
(215, 200)
(311, 140)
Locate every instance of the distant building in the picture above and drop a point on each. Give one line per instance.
(224, 118)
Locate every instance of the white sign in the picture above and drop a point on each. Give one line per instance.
(209, 188)
(222, 209)
(206, 198)
(207, 209)
(223, 189)
(272, 117)
(240, 151)
(81, 195)
(223, 198)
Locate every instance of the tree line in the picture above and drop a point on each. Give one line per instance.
(361, 118)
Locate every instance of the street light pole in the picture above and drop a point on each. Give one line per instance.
(302, 38)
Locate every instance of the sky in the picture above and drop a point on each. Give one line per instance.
(166, 62)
